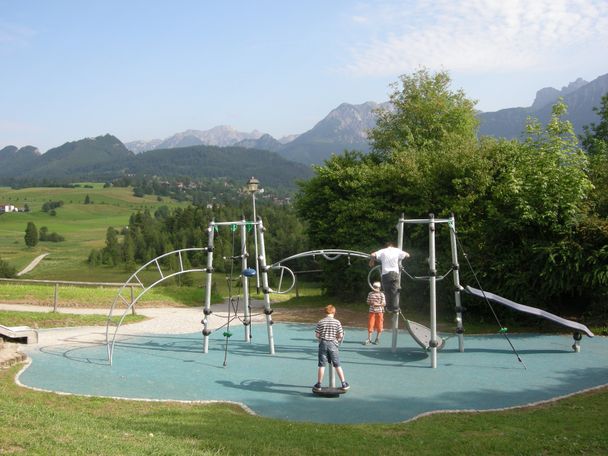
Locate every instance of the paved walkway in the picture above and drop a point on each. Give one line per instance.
(160, 320)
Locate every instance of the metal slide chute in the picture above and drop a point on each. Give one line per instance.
(578, 328)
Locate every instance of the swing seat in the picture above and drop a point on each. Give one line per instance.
(422, 335)
(328, 391)
(249, 272)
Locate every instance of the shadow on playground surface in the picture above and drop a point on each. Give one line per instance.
(385, 386)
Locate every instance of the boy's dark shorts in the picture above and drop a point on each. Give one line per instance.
(328, 351)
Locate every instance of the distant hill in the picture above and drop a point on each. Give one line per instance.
(236, 163)
(264, 142)
(85, 158)
(105, 158)
(580, 96)
(17, 160)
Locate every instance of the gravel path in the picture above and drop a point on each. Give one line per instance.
(160, 320)
(32, 265)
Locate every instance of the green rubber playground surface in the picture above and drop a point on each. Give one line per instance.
(385, 386)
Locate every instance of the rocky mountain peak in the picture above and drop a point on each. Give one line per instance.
(549, 95)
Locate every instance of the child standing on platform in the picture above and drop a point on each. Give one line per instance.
(375, 320)
(329, 333)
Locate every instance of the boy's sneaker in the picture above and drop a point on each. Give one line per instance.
(367, 342)
(345, 386)
(317, 386)
(377, 341)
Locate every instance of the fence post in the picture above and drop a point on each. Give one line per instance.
(295, 280)
(55, 299)
(132, 305)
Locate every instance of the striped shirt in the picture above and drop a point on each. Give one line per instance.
(376, 301)
(329, 329)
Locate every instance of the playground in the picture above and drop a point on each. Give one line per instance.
(385, 386)
(269, 369)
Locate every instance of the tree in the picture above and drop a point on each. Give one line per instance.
(87, 199)
(424, 159)
(595, 142)
(595, 136)
(424, 114)
(6, 270)
(31, 235)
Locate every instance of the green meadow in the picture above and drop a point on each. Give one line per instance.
(83, 226)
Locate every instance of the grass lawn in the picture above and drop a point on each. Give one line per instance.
(39, 423)
(83, 226)
(59, 320)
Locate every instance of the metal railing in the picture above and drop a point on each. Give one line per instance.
(56, 284)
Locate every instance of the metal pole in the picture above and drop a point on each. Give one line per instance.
(332, 375)
(265, 287)
(55, 297)
(207, 309)
(457, 286)
(432, 291)
(132, 299)
(395, 321)
(255, 241)
(245, 282)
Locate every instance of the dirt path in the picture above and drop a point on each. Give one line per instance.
(32, 265)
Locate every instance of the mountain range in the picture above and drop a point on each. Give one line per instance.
(345, 127)
(580, 96)
(106, 157)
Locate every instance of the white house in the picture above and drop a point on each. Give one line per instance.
(8, 208)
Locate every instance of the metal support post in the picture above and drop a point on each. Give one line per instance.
(55, 298)
(245, 282)
(207, 309)
(332, 375)
(457, 285)
(395, 319)
(433, 291)
(265, 287)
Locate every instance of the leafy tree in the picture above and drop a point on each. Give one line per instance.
(424, 159)
(595, 136)
(424, 114)
(595, 142)
(6, 270)
(521, 207)
(31, 235)
(87, 199)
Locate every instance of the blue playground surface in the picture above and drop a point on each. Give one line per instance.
(385, 387)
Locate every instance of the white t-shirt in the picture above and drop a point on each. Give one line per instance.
(390, 257)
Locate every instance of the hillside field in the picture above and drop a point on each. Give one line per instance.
(83, 226)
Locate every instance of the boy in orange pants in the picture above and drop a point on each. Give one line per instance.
(375, 320)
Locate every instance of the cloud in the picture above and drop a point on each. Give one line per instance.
(475, 35)
(13, 35)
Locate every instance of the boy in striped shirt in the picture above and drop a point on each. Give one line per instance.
(375, 320)
(329, 333)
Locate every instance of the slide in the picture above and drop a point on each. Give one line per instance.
(529, 310)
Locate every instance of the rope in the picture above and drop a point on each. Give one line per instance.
(502, 330)
(227, 333)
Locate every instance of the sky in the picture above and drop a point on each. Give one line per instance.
(146, 69)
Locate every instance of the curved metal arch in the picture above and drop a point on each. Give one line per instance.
(130, 282)
(328, 254)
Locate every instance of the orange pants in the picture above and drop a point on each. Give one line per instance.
(375, 321)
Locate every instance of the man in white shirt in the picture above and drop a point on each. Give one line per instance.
(390, 257)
